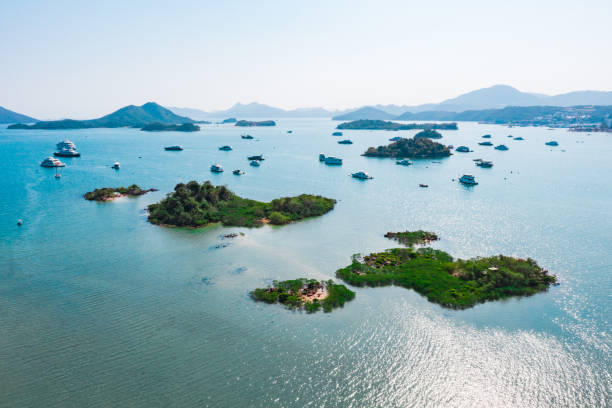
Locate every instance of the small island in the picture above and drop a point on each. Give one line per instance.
(197, 205)
(412, 238)
(368, 124)
(161, 127)
(455, 284)
(248, 123)
(415, 148)
(428, 133)
(305, 294)
(228, 120)
(110, 193)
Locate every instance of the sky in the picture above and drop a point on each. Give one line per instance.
(83, 59)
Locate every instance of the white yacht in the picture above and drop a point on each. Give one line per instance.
(404, 162)
(216, 168)
(331, 160)
(66, 149)
(65, 144)
(52, 162)
(362, 175)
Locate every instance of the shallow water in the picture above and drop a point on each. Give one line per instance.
(100, 308)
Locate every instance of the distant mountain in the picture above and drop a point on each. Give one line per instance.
(130, 116)
(255, 110)
(8, 116)
(367, 112)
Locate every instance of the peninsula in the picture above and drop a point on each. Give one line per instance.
(415, 148)
(248, 123)
(110, 193)
(305, 294)
(366, 124)
(455, 284)
(161, 127)
(197, 205)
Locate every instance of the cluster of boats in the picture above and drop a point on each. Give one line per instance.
(336, 161)
(65, 148)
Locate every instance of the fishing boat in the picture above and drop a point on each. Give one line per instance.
(333, 161)
(225, 148)
(175, 148)
(216, 168)
(501, 147)
(463, 149)
(404, 162)
(487, 143)
(257, 157)
(362, 175)
(347, 141)
(468, 179)
(246, 136)
(423, 185)
(238, 172)
(52, 162)
(552, 143)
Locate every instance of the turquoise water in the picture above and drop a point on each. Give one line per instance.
(100, 308)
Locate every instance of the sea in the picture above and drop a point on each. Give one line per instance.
(100, 308)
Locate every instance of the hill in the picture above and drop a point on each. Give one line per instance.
(255, 110)
(8, 116)
(128, 116)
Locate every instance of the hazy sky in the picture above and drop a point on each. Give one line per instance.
(80, 59)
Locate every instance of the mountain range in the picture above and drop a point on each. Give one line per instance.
(8, 116)
(130, 116)
(255, 110)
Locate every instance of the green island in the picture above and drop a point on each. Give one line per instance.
(428, 133)
(368, 124)
(414, 148)
(305, 294)
(247, 123)
(163, 127)
(110, 193)
(412, 238)
(455, 284)
(197, 205)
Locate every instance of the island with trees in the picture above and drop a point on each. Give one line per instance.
(110, 193)
(197, 205)
(309, 295)
(428, 133)
(228, 120)
(456, 284)
(415, 148)
(368, 124)
(412, 238)
(248, 123)
(163, 127)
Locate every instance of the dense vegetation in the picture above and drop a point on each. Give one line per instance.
(110, 193)
(412, 238)
(133, 116)
(428, 133)
(197, 205)
(245, 123)
(303, 294)
(161, 127)
(451, 283)
(367, 124)
(412, 148)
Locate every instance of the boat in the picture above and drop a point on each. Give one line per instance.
(334, 161)
(116, 165)
(487, 143)
(404, 162)
(65, 144)
(485, 163)
(510, 136)
(347, 141)
(423, 185)
(518, 138)
(552, 143)
(258, 157)
(238, 172)
(20, 222)
(337, 134)
(216, 168)
(52, 162)
(176, 148)
(463, 149)
(321, 157)
(362, 175)
(477, 160)
(395, 139)
(254, 163)
(468, 179)
(290, 131)
(246, 136)
(225, 148)
(501, 147)
(486, 136)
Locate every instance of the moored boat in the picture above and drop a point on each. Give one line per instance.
(395, 139)
(462, 149)
(225, 148)
(404, 162)
(52, 162)
(346, 141)
(337, 134)
(246, 136)
(258, 157)
(254, 163)
(321, 157)
(362, 175)
(552, 143)
(501, 147)
(238, 172)
(487, 143)
(175, 148)
(484, 163)
(116, 165)
(335, 161)
(486, 136)
(468, 179)
(216, 168)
